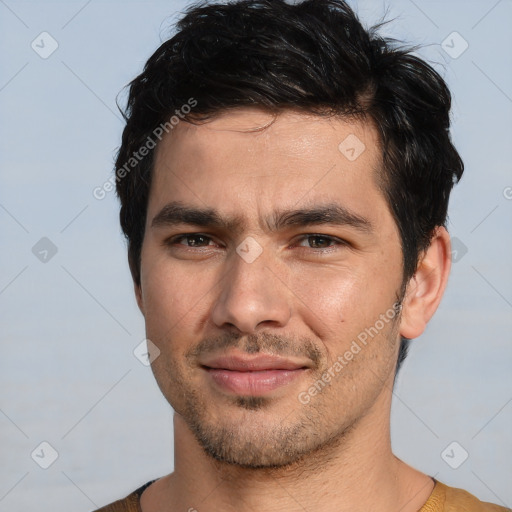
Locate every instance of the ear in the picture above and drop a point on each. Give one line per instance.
(425, 289)
(138, 295)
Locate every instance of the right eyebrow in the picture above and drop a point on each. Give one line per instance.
(175, 213)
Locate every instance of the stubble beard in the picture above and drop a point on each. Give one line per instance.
(305, 437)
(253, 443)
(261, 434)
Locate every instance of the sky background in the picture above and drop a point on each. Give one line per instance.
(69, 321)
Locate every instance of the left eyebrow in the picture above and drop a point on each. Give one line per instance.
(176, 213)
(334, 214)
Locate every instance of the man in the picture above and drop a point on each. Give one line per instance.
(284, 178)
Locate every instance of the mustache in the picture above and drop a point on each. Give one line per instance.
(267, 343)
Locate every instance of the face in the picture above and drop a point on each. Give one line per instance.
(270, 269)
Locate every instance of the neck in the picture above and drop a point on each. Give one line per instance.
(337, 477)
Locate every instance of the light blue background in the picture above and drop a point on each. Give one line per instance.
(69, 326)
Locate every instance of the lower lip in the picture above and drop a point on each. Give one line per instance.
(253, 382)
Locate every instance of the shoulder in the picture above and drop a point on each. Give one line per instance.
(129, 504)
(452, 499)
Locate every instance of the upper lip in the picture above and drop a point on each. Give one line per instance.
(258, 362)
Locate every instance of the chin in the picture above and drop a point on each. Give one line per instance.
(255, 438)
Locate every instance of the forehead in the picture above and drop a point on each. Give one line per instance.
(296, 135)
(248, 157)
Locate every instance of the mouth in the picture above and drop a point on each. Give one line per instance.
(254, 376)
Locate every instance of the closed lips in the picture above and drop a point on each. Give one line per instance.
(255, 364)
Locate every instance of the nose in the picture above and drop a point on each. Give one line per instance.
(252, 295)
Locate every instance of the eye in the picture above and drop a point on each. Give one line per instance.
(318, 241)
(191, 240)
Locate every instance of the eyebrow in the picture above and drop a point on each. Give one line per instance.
(176, 213)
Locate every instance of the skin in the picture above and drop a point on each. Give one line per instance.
(306, 298)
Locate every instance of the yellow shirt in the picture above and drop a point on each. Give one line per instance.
(442, 499)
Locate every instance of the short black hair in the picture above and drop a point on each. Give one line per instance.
(314, 56)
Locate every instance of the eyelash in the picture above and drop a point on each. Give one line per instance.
(176, 239)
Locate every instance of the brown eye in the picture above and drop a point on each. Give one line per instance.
(320, 241)
(190, 240)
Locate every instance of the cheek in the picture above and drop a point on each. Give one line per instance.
(339, 297)
(327, 296)
(167, 299)
(343, 305)
(176, 297)
(171, 299)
